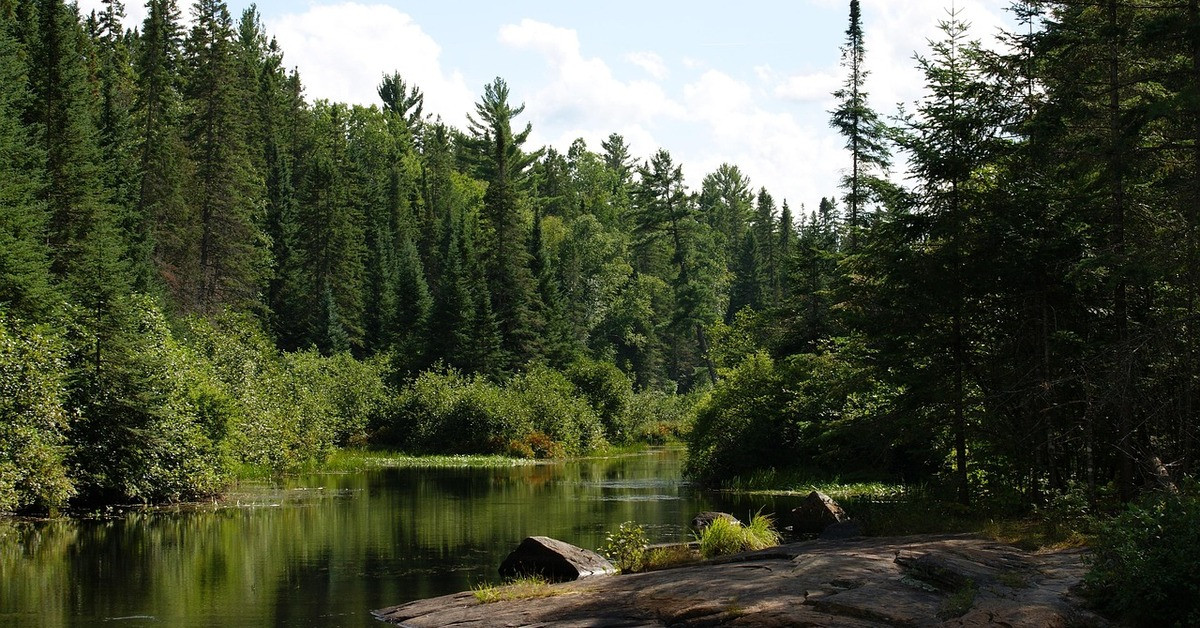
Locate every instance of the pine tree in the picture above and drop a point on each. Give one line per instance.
(159, 220)
(405, 102)
(861, 127)
(330, 224)
(226, 193)
(26, 290)
(503, 165)
(665, 212)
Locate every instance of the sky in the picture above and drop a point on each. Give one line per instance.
(709, 82)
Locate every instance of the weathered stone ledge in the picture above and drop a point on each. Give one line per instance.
(901, 581)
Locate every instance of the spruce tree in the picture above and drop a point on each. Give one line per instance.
(228, 257)
(26, 290)
(861, 127)
(502, 163)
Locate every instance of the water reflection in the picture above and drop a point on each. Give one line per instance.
(324, 550)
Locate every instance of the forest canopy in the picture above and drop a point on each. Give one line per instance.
(200, 269)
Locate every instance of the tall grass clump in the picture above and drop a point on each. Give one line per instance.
(723, 537)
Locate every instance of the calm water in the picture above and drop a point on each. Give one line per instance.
(324, 550)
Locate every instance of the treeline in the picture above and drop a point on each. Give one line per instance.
(1020, 316)
(201, 269)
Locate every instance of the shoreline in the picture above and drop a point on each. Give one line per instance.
(926, 580)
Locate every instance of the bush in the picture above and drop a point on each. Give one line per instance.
(1144, 563)
(554, 409)
(610, 393)
(626, 547)
(659, 418)
(33, 421)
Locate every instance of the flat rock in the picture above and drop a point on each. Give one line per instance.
(854, 582)
(554, 560)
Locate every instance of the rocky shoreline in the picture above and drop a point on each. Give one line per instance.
(945, 580)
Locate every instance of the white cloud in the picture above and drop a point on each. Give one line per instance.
(135, 13)
(792, 159)
(343, 50)
(650, 62)
(582, 93)
(817, 87)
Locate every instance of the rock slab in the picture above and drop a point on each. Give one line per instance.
(554, 560)
(849, 583)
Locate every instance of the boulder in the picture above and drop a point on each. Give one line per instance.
(817, 512)
(554, 560)
(705, 519)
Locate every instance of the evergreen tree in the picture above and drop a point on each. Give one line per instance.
(159, 220)
(26, 290)
(860, 125)
(665, 212)
(405, 102)
(503, 165)
(229, 260)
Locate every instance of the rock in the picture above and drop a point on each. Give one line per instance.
(842, 530)
(813, 583)
(705, 519)
(816, 513)
(554, 560)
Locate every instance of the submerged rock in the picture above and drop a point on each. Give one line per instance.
(554, 560)
(705, 519)
(817, 512)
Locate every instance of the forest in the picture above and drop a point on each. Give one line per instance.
(203, 271)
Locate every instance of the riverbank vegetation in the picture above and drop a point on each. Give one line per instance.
(202, 273)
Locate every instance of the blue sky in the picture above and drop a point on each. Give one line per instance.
(748, 85)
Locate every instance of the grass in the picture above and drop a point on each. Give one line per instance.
(523, 588)
(884, 509)
(668, 557)
(358, 460)
(724, 537)
(958, 603)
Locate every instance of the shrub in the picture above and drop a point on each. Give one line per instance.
(554, 409)
(33, 421)
(626, 547)
(659, 418)
(1143, 566)
(610, 393)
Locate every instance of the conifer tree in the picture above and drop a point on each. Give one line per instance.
(229, 260)
(861, 127)
(26, 290)
(664, 211)
(501, 162)
(159, 220)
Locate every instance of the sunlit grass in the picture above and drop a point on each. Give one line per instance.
(523, 588)
(723, 537)
(358, 460)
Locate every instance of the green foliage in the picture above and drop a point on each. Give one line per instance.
(626, 547)
(536, 414)
(557, 410)
(1143, 567)
(660, 418)
(34, 422)
(609, 392)
(723, 537)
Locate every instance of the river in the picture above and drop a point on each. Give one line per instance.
(324, 550)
